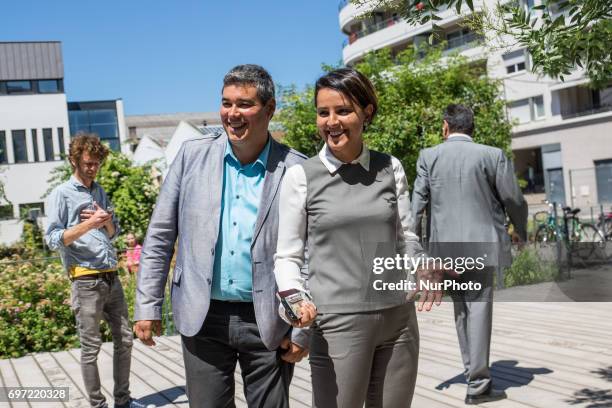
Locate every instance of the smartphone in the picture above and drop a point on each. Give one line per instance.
(292, 300)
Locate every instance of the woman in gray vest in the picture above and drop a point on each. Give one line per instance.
(350, 207)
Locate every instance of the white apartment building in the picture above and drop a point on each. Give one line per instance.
(36, 123)
(563, 139)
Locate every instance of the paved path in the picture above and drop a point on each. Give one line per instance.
(543, 355)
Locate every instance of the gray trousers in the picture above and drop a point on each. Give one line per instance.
(228, 336)
(93, 300)
(474, 321)
(369, 358)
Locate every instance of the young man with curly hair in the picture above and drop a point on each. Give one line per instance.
(81, 227)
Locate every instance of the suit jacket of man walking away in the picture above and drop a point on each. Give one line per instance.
(467, 189)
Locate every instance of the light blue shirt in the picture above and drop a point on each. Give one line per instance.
(241, 195)
(92, 250)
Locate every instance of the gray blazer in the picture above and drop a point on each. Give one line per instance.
(466, 189)
(189, 208)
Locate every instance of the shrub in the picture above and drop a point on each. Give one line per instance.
(35, 313)
(35, 310)
(527, 268)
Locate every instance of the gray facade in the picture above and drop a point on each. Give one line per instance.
(31, 60)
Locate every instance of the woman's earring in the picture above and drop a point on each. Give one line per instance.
(365, 126)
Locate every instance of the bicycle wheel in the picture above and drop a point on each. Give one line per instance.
(607, 229)
(545, 234)
(587, 240)
(544, 242)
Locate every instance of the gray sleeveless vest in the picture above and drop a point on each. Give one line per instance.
(352, 219)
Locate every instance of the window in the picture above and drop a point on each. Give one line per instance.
(20, 148)
(48, 142)
(515, 61)
(48, 86)
(3, 157)
(603, 174)
(520, 110)
(6, 212)
(18, 87)
(35, 145)
(538, 107)
(527, 110)
(30, 210)
(60, 137)
(99, 118)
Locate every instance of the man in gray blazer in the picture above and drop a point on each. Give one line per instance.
(467, 189)
(220, 201)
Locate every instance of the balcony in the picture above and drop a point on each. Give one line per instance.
(371, 28)
(570, 113)
(580, 101)
(464, 41)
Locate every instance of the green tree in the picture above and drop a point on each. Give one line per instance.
(132, 189)
(298, 118)
(560, 35)
(413, 93)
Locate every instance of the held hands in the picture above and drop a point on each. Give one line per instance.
(295, 353)
(427, 296)
(97, 218)
(145, 329)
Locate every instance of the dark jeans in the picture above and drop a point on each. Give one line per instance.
(229, 335)
(92, 301)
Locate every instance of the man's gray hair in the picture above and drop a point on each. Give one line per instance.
(254, 75)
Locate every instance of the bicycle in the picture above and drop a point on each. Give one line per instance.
(605, 225)
(580, 238)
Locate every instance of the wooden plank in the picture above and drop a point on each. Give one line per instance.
(508, 323)
(155, 361)
(72, 370)
(579, 376)
(558, 379)
(31, 375)
(10, 379)
(570, 357)
(166, 387)
(140, 387)
(75, 354)
(58, 377)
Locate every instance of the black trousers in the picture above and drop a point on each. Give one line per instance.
(228, 336)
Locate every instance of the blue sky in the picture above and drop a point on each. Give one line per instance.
(170, 56)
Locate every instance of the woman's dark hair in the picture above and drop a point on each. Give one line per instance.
(352, 83)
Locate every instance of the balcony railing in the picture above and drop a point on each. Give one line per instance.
(573, 113)
(371, 28)
(462, 43)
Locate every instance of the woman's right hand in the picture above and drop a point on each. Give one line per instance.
(308, 313)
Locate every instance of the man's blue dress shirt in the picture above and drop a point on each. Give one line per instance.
(241, 194)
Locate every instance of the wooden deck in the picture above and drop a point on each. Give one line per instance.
(543, 355)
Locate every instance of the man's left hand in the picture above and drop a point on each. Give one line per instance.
(295, 353)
